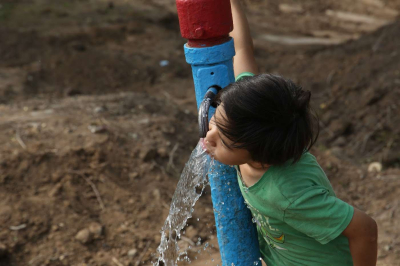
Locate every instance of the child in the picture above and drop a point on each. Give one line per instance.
(264, 127)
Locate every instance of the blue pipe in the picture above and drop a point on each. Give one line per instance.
(237, 235)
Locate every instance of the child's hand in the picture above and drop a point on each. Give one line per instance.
(362, 233)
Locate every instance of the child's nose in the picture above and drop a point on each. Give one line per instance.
(211, 137)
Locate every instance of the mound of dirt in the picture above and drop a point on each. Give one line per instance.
(356, 90)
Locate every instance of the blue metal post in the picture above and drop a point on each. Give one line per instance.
(237, 236)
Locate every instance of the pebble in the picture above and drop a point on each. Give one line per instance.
(388, 247)
(133, 175)
(132, 253)
(164, 63)
(84, 236)
(100, 109)
(162, 152)
(95, 129)
(156, 194)
(96, 230)
(134, 135)
(375, 167)
(285, 8)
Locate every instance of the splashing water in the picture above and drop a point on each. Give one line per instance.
(189, 189)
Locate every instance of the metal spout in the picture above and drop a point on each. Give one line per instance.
(204, 110)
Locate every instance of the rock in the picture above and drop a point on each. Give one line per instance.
(96, 230)
(285, 8)
(132, 253)
(3, 249)
(375, 167)
(100, 109)
(156, 194)
(134, 135)
(162, 152)
(133, 176)
(191, 232)
(387, 247)
(96, 129)
(84, 236)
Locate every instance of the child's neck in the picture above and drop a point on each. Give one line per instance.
(252, 172)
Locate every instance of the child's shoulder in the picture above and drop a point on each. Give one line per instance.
(307, 164)
(292, 180)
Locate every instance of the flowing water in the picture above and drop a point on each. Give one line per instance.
(189, 189)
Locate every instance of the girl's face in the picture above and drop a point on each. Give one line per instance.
(217, 144)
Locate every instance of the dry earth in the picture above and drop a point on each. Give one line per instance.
(95, 132)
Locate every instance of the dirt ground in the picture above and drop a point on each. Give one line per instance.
(94, 130)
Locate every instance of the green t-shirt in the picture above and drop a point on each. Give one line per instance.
(299, 218)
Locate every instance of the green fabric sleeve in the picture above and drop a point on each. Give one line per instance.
(244, 74)
(319, 215)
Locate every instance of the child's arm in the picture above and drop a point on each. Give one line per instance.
(244, 60)
(362, 233)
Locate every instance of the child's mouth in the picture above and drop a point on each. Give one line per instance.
(204, 146)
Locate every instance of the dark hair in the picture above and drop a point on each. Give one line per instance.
(270, 117)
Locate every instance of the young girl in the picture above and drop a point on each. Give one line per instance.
(263, 126)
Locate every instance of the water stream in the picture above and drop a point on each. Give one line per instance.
(189, 189)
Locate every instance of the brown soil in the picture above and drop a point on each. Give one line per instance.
(95, 132)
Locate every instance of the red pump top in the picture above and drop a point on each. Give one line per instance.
(205, 22)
